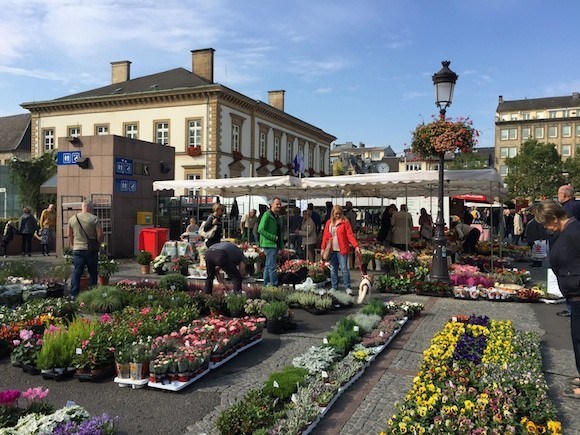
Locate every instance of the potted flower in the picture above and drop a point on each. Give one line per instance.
(311, 171)
(236, 304)
(106, 267)
(264, 161)
(278, 164)
(277, 314)
(144, 258)
(237, 156)
(181, 264)
(442, 135)
(194, 151)
(159, 264)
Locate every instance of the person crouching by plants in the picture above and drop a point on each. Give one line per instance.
(229, 258)
(469, 235)
(9, 231)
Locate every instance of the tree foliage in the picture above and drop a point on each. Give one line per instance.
(468, 161)
(536, 171)
(572, 167)
(29, 174)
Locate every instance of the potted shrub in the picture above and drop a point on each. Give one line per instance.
(173, 281)
(236, 305)
(105, 299)
(106, 267)
(181, 264)
(144, 258)
(277, 315)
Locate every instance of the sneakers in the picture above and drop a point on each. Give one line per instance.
(349, 292)
(564, 313)
(333, 290)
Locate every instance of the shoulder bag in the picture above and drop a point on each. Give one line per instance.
(93, 245)
(206, 234)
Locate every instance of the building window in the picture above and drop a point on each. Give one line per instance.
(539, 115)
(552, 114)
(48, 139)
(101, 130)
(311, 156)
(514, 117)
(132, 131)
(526, 116)
(162, 132)
(503, 170)
(276, 148)
(192, 192)
(539, 133)
(290, 151)
(507, 152)
(566, 150)
(74, 131)
(526, 133)
(236, 137)
(194, 133)
(577, 150)
(509, 133)
(552, 131)
(577, 129)
(413, 167)
(322, 160)
(262, 145)
(566, 131)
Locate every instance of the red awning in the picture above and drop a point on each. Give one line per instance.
(472, 198)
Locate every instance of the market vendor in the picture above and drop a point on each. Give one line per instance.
(467, 233)
(227, 257)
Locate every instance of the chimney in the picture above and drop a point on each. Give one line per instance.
(276, 99)
(501, 99)
(120, 71)
(575, 95)
(202, 63)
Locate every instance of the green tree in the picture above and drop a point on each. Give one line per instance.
(572, 168)
(469, 160)
(535, 171)
(29, 174)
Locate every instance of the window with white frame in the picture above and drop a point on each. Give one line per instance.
(566, 131)
(192, 176)
(539, 115)
(162, 132)
(74, 131)
(577, 129)
(503, 170)
(566, 150)
(311, 156)
(194, 133)
(262, 144)
(48, 139)
(539, 133)
(509, 133)
(526, 116)
(102, 130)
(577, 149)
(413, 166)
(552, 114)
(276, 148)
(514, 117)
(290, 151)
(322, 160)
(526, 133)
(132, 131)
(507, 152)
(552, 131)
(236, 129)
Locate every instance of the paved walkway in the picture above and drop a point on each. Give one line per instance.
(367, 405)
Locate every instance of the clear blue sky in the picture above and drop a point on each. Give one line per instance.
(360, 70)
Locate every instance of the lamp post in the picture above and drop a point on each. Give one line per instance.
(444, 82)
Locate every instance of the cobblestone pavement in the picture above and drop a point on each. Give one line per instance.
(367, 405)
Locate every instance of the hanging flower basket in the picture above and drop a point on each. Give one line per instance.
(442, 135)
(311, 171)
(237, 156)
(290, 165)
(278, 164)
(264, 161)
(194, 151)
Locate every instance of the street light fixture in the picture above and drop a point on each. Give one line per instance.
(444, 82)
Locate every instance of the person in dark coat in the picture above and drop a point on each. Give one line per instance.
(215, 219)
(227, 257)
(564, 258)
(385, 235)
(9, 231)
(27, 224)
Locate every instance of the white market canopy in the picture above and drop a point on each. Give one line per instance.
(387, 185)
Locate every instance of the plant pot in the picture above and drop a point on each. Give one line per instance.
(145, 269)
(183, 377)
(84, 283)
(136, 371)
(123, 370)
(104, 280)
(159, 271)
(275, 326)
(184, 271)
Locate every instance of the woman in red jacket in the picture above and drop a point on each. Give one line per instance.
(338, 231)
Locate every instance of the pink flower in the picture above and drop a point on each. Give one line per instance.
(106, 318)
(15, 342)
(35, 393)
(26, 334)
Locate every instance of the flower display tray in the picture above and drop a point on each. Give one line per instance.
(58, 376)
(176, 385)
(30, 369)
(94, 376)
(124, 382)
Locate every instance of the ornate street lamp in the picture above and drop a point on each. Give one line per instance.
(444, 82)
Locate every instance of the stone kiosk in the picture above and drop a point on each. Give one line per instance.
(117, 174)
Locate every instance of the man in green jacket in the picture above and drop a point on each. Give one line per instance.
(270, 231)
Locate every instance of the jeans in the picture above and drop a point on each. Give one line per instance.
(220, 259)
(80, 260)
(575, 327)
(270, 275)
(339, 260)
(26, 243)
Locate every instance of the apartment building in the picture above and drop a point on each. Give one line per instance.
(356, 159)
(549, 120)
(216, 131)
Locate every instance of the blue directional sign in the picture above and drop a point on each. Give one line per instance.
(124, 185)
(68, 157)
(123, 166)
